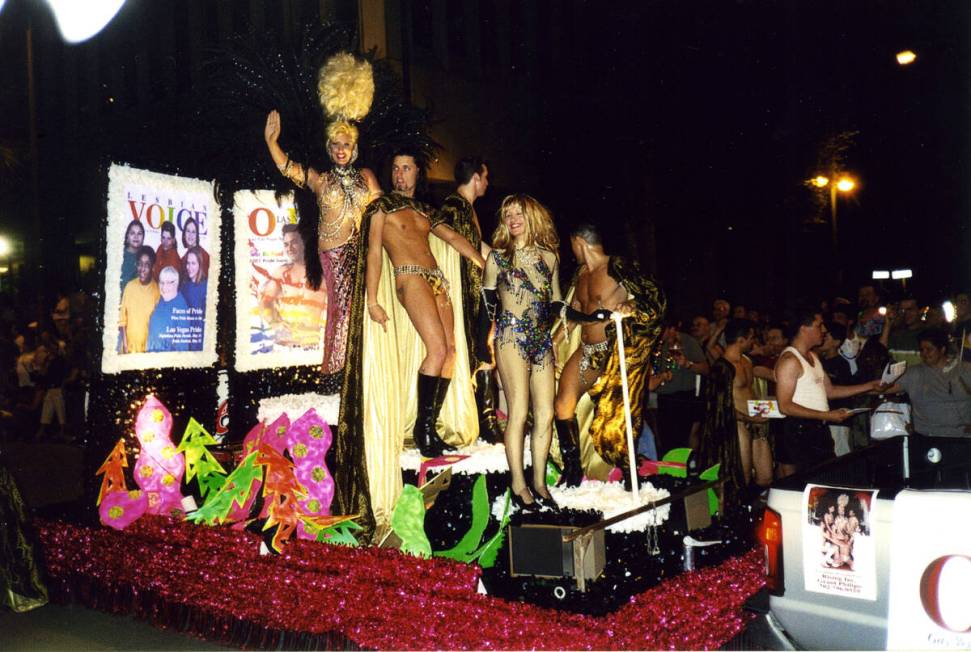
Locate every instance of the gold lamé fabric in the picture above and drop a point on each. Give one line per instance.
(641, 331)
(20, 581)
(719, 435)
(379, 397)
(457, 213)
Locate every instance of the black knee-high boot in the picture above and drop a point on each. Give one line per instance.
(568, 434)
(485, 401)
(441, 391)
(429, 405)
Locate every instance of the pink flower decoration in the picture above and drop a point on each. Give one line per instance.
(158, 468)
(276, 433)
(119, 509)
(310, 438)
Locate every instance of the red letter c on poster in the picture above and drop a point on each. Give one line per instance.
(930, 596)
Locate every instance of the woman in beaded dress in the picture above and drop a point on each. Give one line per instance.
(346, 88)
(521, 292)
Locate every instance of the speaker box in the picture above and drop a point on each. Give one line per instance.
(694, 512)
(539, 550)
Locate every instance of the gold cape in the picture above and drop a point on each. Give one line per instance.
(379, 396)
(600, 413)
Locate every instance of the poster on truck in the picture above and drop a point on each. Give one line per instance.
(838, 543)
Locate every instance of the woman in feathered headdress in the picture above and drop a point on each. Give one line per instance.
(345, 86)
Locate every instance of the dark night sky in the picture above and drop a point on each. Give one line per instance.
(704, 118)
(714, 112)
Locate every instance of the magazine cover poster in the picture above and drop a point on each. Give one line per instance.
(838, 543)
(162, 271)
(279, 320)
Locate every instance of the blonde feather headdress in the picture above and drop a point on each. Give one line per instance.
(346, 87)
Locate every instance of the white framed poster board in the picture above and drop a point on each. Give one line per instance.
(165, 317)
(279, 320)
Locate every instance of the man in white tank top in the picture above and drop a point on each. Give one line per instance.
(803, 390)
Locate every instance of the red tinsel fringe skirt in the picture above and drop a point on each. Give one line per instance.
(213, 583)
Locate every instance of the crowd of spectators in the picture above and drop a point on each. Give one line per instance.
(45, 350)
(45, 356)
(853, 342)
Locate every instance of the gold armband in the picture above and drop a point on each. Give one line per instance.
(294, 172)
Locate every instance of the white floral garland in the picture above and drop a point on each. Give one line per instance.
(295, 405)
(608, 498)
(122, 180)
(483, 458)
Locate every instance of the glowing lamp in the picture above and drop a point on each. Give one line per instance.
(899, 274)
(880, 274)
(820, 181)
(845, 184)
(906, 57)
(79, 21)
(4, 243)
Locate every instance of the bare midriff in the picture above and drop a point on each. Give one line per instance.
(596, 290)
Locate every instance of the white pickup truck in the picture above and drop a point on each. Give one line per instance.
(870, 551)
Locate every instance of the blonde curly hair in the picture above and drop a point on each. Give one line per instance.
(539, 226)
(345, 86)
(338, 127)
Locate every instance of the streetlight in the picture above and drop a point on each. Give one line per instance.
(906, 57)
(843, 184)
(839, 183)
(79, 21)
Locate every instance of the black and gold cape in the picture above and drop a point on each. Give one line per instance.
(458, 213)
(641, 331)
(719, 435)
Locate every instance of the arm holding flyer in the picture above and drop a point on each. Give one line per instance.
(846, 391)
